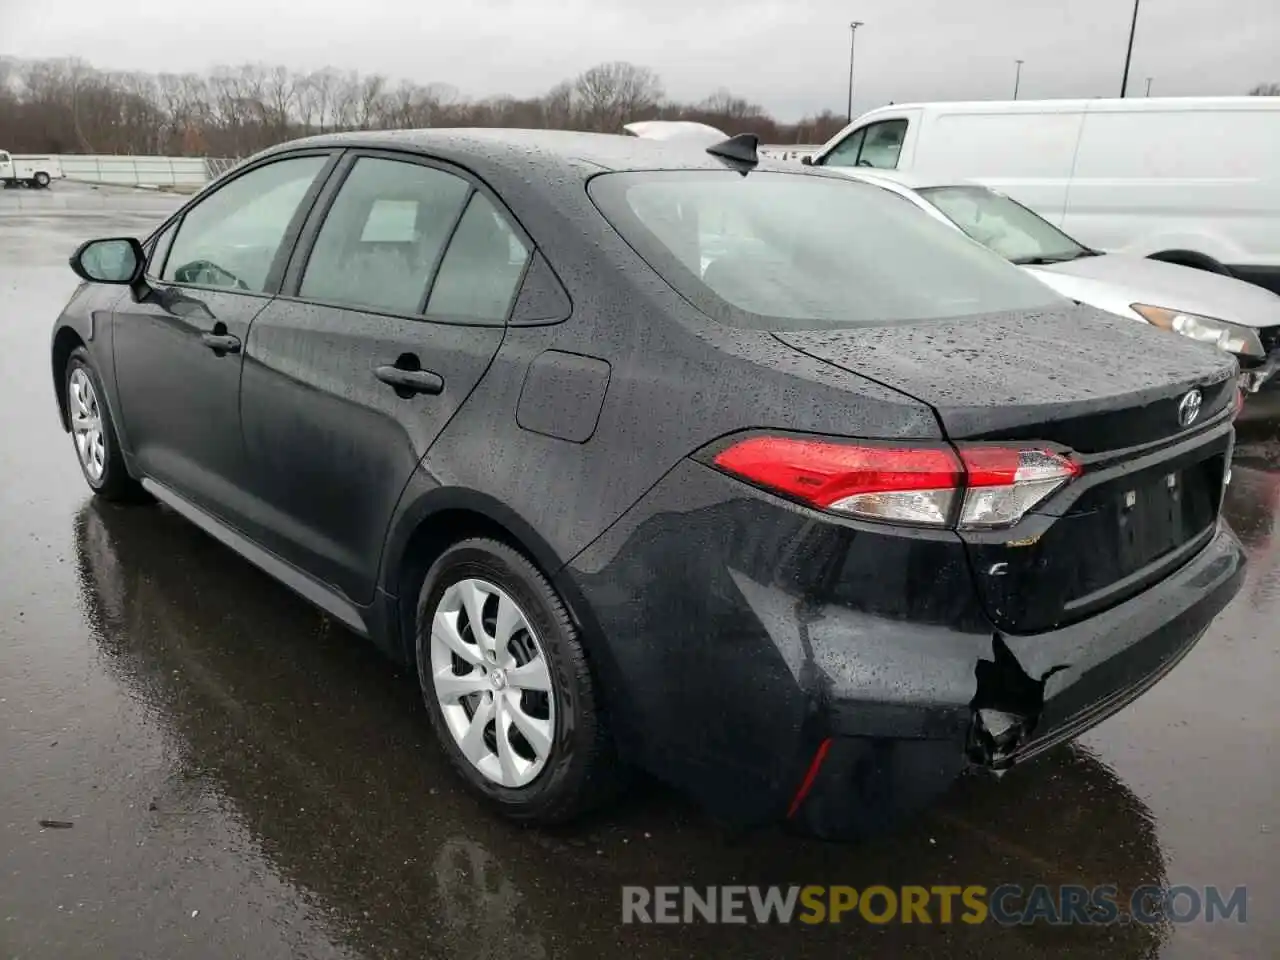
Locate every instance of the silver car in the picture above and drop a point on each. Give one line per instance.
(1239, 317)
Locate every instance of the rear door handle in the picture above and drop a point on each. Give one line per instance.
(410, 381)
(221, 342)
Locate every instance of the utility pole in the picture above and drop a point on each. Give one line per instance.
(1017, 78)
(1133, 28)
(853, 36)
(1148, 86)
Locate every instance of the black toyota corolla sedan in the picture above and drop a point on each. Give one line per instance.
(648, 456)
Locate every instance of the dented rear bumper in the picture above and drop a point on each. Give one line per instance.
(1056, 685)
(1029, 693)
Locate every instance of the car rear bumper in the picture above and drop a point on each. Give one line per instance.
(740, 639)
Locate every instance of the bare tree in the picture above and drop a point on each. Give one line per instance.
(61, 106)
(1266, 90)
(611, 94)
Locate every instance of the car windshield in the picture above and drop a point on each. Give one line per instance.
(799, 251)
(1004, 225)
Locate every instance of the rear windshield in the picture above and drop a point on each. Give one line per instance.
(781, 251)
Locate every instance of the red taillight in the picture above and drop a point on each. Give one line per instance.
(993, 485)
(910, 484)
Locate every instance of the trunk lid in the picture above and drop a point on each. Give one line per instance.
(1075, 376)
(1108, 389)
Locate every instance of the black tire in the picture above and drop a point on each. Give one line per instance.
(115, 483)
(41, 179)
(581, 771)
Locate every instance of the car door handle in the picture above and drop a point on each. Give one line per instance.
(221, 342)
(410, 381)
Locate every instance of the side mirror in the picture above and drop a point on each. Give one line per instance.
(115, 260)
(807, 160)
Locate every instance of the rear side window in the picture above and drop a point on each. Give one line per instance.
(231, 238)
(807, 252)
(383, 236)
(482, 268)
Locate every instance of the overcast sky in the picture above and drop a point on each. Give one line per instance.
(789, 55)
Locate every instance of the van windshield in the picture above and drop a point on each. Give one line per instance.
(801, 251)
(1004, 225)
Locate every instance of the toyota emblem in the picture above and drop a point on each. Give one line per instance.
(1189, 408)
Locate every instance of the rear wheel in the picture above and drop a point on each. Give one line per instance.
(41, 179)
(94, 434)
(507, 686)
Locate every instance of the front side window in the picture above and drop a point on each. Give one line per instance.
(160, 250)
(883, 144)
(1004, 225)
(846, 152)
(780, 251)
(231, 238)
(383, 236)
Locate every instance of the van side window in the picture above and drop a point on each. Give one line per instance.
(883, 144)
(845, 153)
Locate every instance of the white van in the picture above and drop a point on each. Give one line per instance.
(1191, 180)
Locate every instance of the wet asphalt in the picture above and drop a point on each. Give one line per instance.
(246, 779)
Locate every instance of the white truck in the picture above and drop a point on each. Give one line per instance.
(28, 171)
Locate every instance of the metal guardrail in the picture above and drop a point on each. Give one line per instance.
(192, 173)
(219, 165)
(789, 152)
(142, 171)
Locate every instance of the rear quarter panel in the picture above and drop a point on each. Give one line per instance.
(676, 383)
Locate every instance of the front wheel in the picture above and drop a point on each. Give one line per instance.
(507, 685)
(94, 433)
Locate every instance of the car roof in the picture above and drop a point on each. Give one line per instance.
(538, 152)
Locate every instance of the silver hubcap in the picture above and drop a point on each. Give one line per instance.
(492, 683)
(86, 424)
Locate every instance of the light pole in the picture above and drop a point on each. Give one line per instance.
(1017, 78)
(1133, 28)
(1149, 86)
(853, 36)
